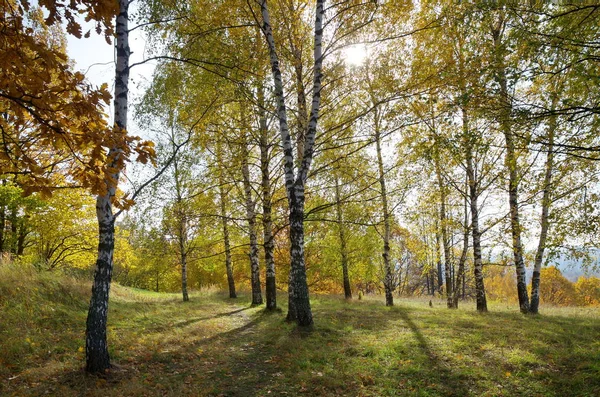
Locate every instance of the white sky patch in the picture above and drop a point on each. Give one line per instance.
(355, 55)
(95, 58)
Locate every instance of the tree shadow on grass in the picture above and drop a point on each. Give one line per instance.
(234, 333)
(257, 353)
(210, 365)
(231, 363)
(191, 321)
(453, 384)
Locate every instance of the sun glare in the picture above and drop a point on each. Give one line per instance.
(355, 55)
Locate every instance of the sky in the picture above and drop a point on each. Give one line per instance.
(96, 59)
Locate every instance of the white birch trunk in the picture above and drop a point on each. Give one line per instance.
(269, 245)
(387, 266)
(544, 218)
(512, 166)
(182, 232)
(463, 255)
(96, 347)
(444, 229)
(342, 237)
(299, 303)
(225, 225)
(473, 200)
(251, 217)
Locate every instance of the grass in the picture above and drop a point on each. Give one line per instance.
(215, 346)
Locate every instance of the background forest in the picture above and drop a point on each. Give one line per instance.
(384, 148)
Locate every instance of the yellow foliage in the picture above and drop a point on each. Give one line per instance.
(51, 115)
(555, 288)
(588, 291)
(500, 283)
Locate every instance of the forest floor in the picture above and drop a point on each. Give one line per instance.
(216, 346)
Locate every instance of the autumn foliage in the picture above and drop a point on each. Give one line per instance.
(588, 290)
(555, 288)
(53, 121)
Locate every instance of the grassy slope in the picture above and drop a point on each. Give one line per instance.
(216, 346)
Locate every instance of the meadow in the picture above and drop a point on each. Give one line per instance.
(215, 346)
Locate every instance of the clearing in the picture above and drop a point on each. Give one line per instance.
(215, 346)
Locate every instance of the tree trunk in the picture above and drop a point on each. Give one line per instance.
(388, 281)
(299, 303)
(444, 230)
(512, 165)
(300, 310)
(545, 224)
(182, 233)
(228, 264)
(300, 146)
(225, 225)
(460, 274)
(184, 286)
(96, 349)
(342, 236)
(405, 285)
(21, 236)
(2, 225)
(13, 230)
(516, 224)
(301, 99)
(473, 198)
(269, 246)
(251, 216)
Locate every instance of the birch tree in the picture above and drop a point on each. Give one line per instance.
(343, 240)
(96, 347)
(295, 179)
(497, 30)
(265, 147)
(223, 215)
(385, 210)
(181, 220)
(250, 204)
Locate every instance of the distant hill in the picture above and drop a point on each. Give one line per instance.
(573, 268)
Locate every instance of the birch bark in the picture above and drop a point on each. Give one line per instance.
(299, 303)
(460, 274)
(225, 225)
(387, 266)
(511, 165)
(473, 199)
(342, 237)
(96, 347)
(444, 230)
(544, 219)
(269, 246)
(182, 232)
(251, 217)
